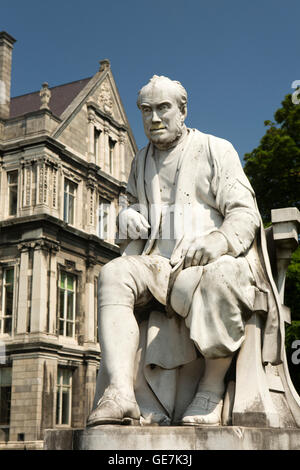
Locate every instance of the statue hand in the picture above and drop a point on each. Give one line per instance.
(133, 223)
(203, 250)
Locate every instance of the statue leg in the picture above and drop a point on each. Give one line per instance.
(221, 302)
(206, 407)
(123, 283)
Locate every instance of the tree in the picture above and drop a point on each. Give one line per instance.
(273, 169)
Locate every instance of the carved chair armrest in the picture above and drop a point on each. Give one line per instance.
(285, 229)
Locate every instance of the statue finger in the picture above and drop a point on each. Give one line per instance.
(189, 257)
(204, 259)
(133, 234)
(197, 258)
(144, 223)
(143, 232)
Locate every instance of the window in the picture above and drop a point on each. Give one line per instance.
(69, 201)
(63, 396)
(12, 181)
(5, 395)
(7, 301)
(96, 144)
(103, 220)
(111, 155)
(67, 293)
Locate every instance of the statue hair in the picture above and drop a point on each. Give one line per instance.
(181, 93)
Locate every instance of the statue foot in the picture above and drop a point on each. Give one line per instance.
(205, 409)
(112, 408)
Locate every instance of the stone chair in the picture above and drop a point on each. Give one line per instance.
(258, 395)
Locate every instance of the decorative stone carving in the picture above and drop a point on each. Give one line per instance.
(104, 65)
(54, 188)
(105, 99)
(45, 95)
(40, 244)
(92, 189)
(91, 115)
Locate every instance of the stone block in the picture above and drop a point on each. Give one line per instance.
(109, 437)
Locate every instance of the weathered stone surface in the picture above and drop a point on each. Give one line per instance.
(173, 438)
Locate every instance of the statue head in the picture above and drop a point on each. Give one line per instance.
(163, 103)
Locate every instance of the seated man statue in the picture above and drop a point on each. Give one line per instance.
(195, 263)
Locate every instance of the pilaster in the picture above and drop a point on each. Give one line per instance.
(23, 295)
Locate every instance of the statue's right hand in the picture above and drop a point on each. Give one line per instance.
(134, 224)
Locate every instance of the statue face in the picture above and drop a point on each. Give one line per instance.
(162, 118)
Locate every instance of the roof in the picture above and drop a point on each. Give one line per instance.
(61, 97)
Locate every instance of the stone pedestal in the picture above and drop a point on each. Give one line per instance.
(173, 438)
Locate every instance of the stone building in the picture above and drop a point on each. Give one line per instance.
(65, 155)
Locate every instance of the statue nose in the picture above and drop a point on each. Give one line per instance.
(155, 117)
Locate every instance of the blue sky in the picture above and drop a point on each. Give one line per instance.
(236, 58)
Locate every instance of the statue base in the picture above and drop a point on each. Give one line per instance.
(113, 437)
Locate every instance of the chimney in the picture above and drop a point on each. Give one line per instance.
(6, 47)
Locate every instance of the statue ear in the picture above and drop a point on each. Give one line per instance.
(183, 110)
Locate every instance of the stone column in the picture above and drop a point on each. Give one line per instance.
(54, 194)
(38, 321)
(122, 173)
(52, 294)
(106, 149)
(91, 130)
(6, 47)
(22, 314)
(91, 205)
(90, 304)
(116, 160)
(27, 184)
(102, 150)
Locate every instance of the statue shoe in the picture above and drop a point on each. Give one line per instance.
(112, 408)
(205, 409)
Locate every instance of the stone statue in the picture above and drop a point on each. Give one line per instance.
(173, 307)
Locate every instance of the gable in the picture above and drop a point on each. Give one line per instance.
(106, 98)
(102, 95)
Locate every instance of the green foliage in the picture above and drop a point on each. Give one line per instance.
(292, 288)
(273, 169)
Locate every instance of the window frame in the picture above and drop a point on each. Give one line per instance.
(97, 133)
(111, 147)
(66, 206)
(64, 318)
(9, 188)
(3, 316)
(60, 388)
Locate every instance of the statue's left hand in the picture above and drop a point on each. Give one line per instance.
(203, 250)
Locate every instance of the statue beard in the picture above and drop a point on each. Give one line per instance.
(172, 141)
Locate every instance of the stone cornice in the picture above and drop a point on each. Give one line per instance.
(37, 113)
(64, 154)
(60, 228)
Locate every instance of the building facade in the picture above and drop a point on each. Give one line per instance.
(65, 156)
